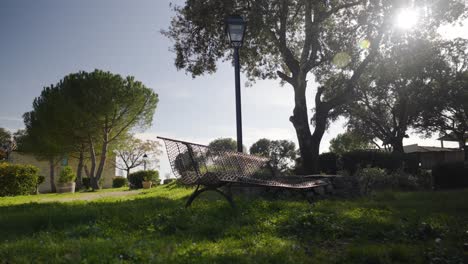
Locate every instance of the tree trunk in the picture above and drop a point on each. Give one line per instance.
(128, 172)
(79, 171)
(465, 148)
(300, 120)
(94, 183)
(52, 175)
(397, 146)
(102, 161)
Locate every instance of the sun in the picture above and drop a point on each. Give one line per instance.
(407, 18)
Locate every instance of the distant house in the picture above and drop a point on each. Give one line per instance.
(430, 156)
(44, 169)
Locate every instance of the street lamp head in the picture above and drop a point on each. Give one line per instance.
(235, 29)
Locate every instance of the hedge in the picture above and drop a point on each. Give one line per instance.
(18, 179)
(450, 175)
(118, 182)
(135, 179)
(391, 162)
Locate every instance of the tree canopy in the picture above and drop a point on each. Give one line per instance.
(349, 141)
(282, 153)
(226, 144)
(291, 39)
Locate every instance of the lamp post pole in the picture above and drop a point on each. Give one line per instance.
(238, 99)
(235, 29)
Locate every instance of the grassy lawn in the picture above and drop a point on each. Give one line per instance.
(153, 227)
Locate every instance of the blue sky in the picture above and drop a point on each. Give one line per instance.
(42, 41)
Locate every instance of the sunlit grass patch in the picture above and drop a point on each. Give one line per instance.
(152, 226)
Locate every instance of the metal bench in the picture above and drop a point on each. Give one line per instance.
(209, 169)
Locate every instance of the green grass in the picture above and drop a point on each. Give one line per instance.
(152, 226)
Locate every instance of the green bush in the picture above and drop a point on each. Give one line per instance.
(18, 179)
(66, 175)
(328, 163)
(135, 179)
(372, 178)
(450, 175)
(118, 182)
(391, 162)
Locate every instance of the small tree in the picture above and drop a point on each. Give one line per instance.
(281, 153)
(6, 143)
(131, 152)
(227, 144)
(349, 141)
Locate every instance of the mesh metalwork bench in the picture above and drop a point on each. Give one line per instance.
(209, 169)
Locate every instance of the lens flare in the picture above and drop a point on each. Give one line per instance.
(364, 44)
(341, 59)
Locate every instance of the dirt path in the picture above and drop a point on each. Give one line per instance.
(91, 196)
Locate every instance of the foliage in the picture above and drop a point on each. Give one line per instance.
(369, 177)
(446, 104)
(131, 152)
(450, 175)
(328, 163)
(66, 175)
(18, 179)
(349, 141)
(388, 96)
(290, 40)
(6, 143)
(224, 144)
(135, 179)
(118, 182)
(389, 227)
(281, 153)
(354, 160)
(104, 107)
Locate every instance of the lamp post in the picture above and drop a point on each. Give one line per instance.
(145, 157)
(235, 29)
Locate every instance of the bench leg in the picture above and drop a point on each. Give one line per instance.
(199, 191)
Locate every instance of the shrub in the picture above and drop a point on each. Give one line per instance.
(424, 179)
(372, 178)
(135, 179)
(450, 175)
(391, 162)
(328, 163)
(118, 182)
(66, 175)
(18, 179)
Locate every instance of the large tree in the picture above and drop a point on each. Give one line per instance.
(388, 96)
(43, 135)
(292, 39)
(113, 106)
(88, 111)
(446, 104)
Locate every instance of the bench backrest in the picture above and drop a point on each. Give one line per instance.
(196, 164)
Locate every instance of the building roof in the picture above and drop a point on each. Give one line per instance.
(415, 148)
(452, 137)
